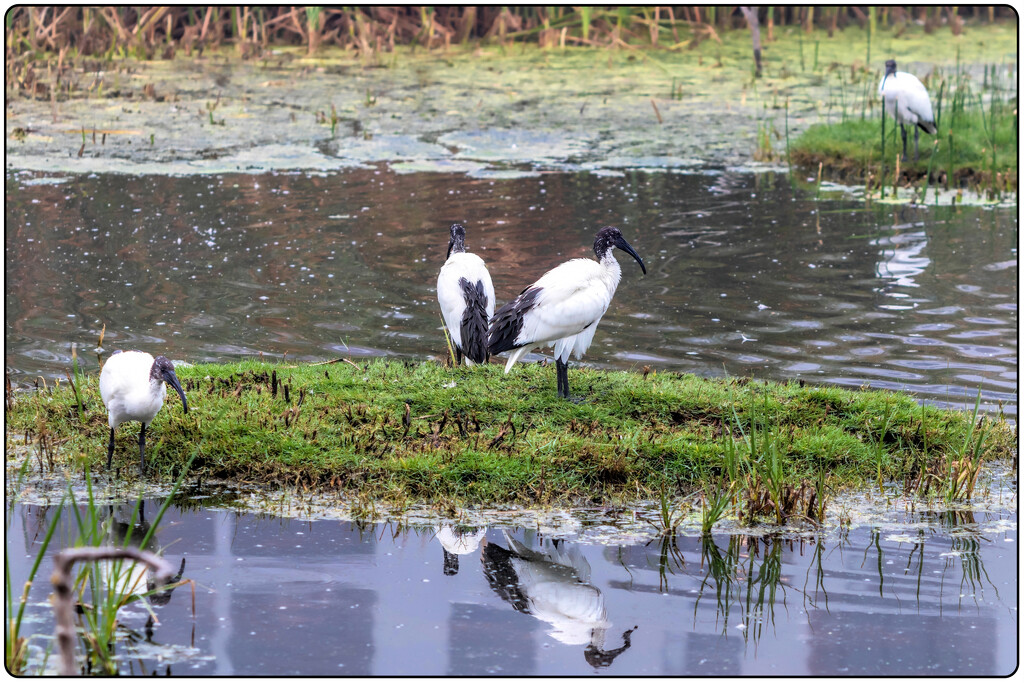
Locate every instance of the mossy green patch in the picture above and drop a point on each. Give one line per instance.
(406, 431)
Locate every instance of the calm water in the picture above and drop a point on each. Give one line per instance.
(936, 594)
(745, 275)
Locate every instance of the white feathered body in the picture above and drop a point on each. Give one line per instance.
(128, 392)
(907, 100)
(450, 293)
(573, 298)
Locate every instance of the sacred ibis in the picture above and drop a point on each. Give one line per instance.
(906, 99)
(562, 308)
(132, 387)
(466, 295)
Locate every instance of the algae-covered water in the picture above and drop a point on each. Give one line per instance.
(478, 109)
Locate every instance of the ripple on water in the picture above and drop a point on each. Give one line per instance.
(752, 239)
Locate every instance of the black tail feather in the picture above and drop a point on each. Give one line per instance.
(928, 127)
(508, 321)
(474, 321)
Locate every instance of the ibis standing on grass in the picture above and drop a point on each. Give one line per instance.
(132, 387)
(906, 99)
(466, 295)
(562, 308)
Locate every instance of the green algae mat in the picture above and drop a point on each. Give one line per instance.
(404, 432)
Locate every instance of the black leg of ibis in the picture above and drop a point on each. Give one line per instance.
(903, 133)
(458, 357)
(110, 448)
(142, 449)
(917, 134)
(562, 370)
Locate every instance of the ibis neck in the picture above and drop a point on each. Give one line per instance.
(457, 245)
(612, 269)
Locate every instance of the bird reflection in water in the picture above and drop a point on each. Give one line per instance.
(458, 540)
(135, 579)
(553, 585)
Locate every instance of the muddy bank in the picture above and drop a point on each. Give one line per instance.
(483, 111)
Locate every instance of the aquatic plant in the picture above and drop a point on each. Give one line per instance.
(964, 463)
(16, 646)
(876, 442)
(104, 588)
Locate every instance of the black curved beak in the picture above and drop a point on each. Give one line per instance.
(622, 244)
(172, 379)
(451, 243)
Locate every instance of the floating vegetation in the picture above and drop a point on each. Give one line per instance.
(194, 89)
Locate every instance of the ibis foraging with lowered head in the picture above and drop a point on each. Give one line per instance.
(906, 99)
(466, 295)
(132, 388)
(562, 308)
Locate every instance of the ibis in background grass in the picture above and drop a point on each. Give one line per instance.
(466, 295)
(562, 308)
(132, 387)
(906, 99)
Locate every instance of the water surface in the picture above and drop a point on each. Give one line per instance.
(746, 275)
(927, 593)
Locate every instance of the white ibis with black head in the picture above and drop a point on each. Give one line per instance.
(132, 387)
(906, 99)
(562, 308)
(466, 295)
